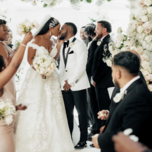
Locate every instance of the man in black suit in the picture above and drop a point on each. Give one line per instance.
(90, 31)
(101, 73)
(132, 107)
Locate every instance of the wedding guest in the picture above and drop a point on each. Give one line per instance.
(132, 106)
(9, 41)
(82, 36)
(123, 143)
(101, 73)
(90, 30)
(6, 73)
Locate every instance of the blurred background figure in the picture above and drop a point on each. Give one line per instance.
(84, 37)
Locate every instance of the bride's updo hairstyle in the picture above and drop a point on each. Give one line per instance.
(2, 63)
(2, 22)
(52, 22)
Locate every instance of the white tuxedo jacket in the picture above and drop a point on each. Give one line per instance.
(75, 70)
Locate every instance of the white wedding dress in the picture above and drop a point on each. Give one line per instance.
(43, 126)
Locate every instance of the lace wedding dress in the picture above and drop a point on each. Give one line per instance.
(43, 126)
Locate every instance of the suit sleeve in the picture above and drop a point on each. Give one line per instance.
(100, 67)
(82, 54)
(133, 117)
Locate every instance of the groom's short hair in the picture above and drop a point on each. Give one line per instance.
(73, 27)
(129, 61)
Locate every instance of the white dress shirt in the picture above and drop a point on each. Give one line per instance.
(129, 83)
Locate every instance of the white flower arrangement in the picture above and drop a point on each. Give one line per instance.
(44, 64)
(26, 27)
(7, 110)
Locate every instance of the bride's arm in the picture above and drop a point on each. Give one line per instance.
(8, 73)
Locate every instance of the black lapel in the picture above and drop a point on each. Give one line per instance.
(66, 59)
(63, 53)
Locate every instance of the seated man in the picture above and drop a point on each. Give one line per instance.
(132, 104)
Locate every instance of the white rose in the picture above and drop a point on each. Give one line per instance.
(144, 58)
(132, 16)
(149, 10)
(140, 29)
(150, 87)
(149, 77)
(124, 49)
(148, 2)
(144, 18)
(109, 63)
(147, 29)
(133, 24)
(8, 119)
(126, 43)
(133, 48)
(118, 97)
(148, 38)
(20, 31)
(35, 24)
(119, 37)
(28, 24)
(118, 44)
(53, 65)
(110, 48)
(140, 50)
(119, 30)
(46, 63)
(145, 64)
(144, 12)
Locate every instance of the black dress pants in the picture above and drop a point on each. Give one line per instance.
(77, 99)
(103, 101)
(95, 109)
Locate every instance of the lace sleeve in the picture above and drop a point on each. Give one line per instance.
(54, 51)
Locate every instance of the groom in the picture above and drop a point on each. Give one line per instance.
(73, 78)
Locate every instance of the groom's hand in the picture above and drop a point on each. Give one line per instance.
(66, 86)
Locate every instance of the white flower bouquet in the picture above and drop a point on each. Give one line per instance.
(7, 110)
(44, 64)
(26, 27)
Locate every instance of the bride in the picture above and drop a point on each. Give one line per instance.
(43, 126)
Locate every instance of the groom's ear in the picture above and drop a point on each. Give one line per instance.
(70, 29)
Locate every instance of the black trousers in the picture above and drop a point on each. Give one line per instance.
(95, 109)
(77, 99)
(103, 101)
(89, 109)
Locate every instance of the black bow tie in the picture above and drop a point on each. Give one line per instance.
(66, 44)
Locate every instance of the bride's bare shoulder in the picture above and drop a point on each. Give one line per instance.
(37, 40)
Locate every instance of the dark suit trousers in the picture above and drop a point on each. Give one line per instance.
(89, 109)
(95, 109)
(77, 98)
(103, 101)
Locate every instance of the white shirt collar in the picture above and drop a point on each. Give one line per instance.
(70, 40)
(103, 37)
(129, 83)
